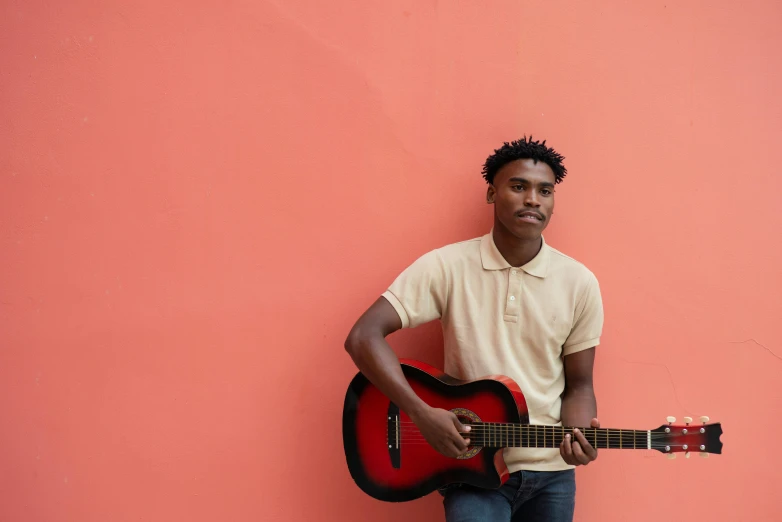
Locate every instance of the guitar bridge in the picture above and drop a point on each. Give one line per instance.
(394, 435)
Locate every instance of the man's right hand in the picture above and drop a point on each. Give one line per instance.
(442, 430)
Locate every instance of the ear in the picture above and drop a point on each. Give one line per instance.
(490, 193)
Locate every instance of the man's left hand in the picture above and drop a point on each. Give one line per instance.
(578, 452)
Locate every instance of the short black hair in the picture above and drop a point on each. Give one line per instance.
(524, 149)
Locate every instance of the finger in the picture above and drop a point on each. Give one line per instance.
(565, 458)
(595, 423)
(449, 450)
(462, 450)
(582, 440)
(459, 442)
(459, 426)
(564, 455)
(566, 449)
(578, 455)
(586, 447)
(567, 445)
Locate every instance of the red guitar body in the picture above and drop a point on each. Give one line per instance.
(385, 471)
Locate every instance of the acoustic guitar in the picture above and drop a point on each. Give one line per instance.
(390, 460)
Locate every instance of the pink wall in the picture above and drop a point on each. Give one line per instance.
(197, 201)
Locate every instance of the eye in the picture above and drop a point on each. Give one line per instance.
(546, 192)
(517, 187)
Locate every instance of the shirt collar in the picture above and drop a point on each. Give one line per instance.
(493, 260)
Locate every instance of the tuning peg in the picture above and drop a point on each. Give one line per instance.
(704, 454)
(671, 455)
(704, 419)
(688, 420)
(671, 420)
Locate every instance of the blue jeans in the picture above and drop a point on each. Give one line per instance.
(527, 496)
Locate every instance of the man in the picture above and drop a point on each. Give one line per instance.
(509, 304)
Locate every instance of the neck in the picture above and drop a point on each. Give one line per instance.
(517, 252)
(501, 435)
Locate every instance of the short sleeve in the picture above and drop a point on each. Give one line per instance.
(588, 323)
(419, 293)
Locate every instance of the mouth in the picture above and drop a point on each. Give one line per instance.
(530, 216)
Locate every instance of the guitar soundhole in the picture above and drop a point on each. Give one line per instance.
(467, 417)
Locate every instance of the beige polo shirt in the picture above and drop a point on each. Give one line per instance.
(497, 319)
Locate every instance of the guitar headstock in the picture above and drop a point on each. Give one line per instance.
(683, 438)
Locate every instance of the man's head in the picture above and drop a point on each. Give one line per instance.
(521, 177)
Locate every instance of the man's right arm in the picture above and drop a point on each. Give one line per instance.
(366, 343)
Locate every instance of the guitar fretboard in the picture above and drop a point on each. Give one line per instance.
(496, 435)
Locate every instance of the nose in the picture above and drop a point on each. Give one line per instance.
(531, 199)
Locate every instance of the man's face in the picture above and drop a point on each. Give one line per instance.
(523, 196)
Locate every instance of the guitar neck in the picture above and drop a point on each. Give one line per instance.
(499, 435)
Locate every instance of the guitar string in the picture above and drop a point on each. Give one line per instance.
(503, 436)
(557, 444)
(560, 432)
(548, 429)
(517, 435)
(639, 439)
(624, 442)
(540, 433)
(643, 447)
(490, 444)
(502, 425)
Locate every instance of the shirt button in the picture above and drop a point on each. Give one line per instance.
(513, 298)
(513, 272)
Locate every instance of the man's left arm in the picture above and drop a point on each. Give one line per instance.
(579, 407)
